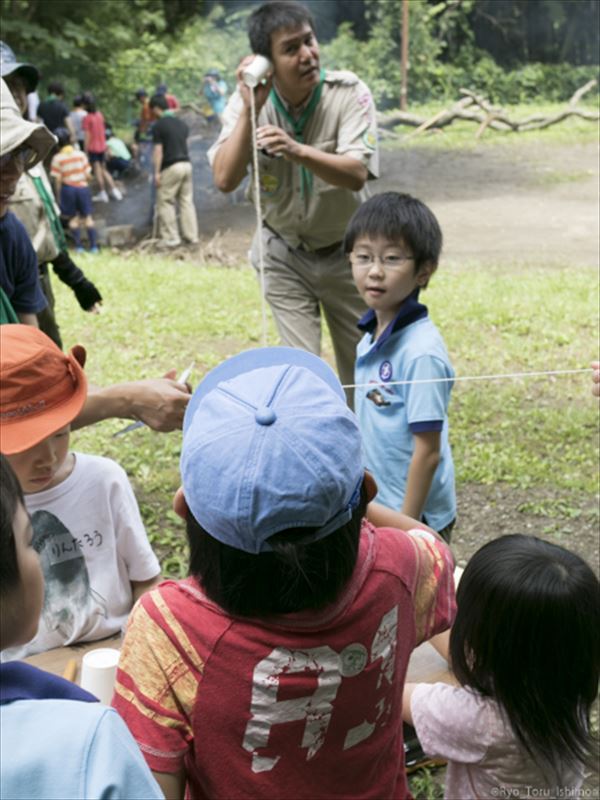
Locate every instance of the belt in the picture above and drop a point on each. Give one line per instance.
(319, 251)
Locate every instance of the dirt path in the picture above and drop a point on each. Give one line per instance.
(496, 204)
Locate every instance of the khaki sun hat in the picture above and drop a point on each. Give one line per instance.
(16, 131)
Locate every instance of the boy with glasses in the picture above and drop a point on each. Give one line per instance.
(394, 242)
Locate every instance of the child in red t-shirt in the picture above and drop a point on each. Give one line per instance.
(277, 668)
(95, 147)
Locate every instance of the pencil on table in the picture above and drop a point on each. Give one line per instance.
(70, 670)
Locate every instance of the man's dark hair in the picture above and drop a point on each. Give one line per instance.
(526, 635)
(56, 88)
(78, 100)
(11, 496)
(159, 101)
(396, 216)
(293, 577)
(275, 16)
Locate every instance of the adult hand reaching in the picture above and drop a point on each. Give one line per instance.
(160, 403)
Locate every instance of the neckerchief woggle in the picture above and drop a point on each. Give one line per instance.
(298, 125)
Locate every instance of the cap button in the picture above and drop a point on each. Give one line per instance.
(265, 415)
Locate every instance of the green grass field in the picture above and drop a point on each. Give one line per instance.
(541, 432)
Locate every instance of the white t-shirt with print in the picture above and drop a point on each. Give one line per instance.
(92, 543)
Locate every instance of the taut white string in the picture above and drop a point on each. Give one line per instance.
(499, 376)
(257, 206)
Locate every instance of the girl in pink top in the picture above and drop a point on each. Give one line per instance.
(95, 147)
(525, 650)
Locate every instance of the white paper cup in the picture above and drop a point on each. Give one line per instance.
(256, 71)
(98, 672)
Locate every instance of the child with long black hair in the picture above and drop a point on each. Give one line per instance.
(525, 650)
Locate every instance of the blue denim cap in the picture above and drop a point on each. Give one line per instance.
(270, 444)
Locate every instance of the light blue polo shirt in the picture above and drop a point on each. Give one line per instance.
(411, 348)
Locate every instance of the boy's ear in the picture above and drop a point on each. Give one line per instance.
(180, 506)
(370, 486)
(425, 273)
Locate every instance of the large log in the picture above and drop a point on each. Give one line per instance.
(473, 107)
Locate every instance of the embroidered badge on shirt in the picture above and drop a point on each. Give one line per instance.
(369, 139)
(269, 183)
(385, 371)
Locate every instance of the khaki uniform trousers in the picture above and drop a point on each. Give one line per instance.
(298, 284)
(176, 188)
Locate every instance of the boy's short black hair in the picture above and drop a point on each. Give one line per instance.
(271, 17)
(293, 577)
(11, 496)
(55, 87)
(63, 136)
(396, 216)
(159, 101)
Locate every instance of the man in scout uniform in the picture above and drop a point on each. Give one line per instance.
(317, 141)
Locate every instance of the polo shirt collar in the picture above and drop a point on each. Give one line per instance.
(410, 311)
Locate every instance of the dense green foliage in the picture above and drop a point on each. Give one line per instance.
(512, 50)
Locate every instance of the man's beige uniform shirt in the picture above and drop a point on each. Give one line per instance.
(344, 122)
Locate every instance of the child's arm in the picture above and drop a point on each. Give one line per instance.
(139, 587)
(406, 695)
(424, 462)
(384, 517)
(171, 783)
(441, 642)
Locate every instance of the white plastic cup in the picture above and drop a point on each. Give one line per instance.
(256, 71)
(99, 671)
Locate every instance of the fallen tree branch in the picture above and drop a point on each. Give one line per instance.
(473, 107)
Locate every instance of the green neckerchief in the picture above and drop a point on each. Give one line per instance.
(55, 225)
(7, 312)
(298, 125)
(51, 97)
(168, 113)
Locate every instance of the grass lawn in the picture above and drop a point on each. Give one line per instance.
(541, 432)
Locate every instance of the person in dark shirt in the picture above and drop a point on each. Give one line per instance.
(53, 112)
(172, 176)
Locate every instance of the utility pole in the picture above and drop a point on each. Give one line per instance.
(404, 57)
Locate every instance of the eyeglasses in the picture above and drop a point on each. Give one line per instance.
(24, 156)
(391, 262)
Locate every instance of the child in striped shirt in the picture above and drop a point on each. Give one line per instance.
(70, 170)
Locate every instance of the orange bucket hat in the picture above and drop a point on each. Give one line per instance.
(42, 389)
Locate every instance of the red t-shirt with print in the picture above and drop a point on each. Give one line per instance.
(306, 705)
